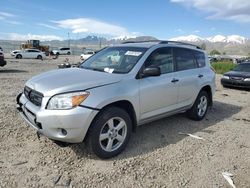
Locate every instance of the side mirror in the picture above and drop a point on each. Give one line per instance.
(151, 71)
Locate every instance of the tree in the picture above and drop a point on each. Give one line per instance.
(215, 52)
(203, 46)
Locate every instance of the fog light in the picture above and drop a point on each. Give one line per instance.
(64, 132)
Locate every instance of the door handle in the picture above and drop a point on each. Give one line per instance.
(200, 75)
(174, 80)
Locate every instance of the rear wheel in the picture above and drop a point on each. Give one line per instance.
(68, 53)
(19, 56)
(199, 108)
(109, 133)
(39, 57)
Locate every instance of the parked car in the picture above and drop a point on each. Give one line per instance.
(28, 53)
(62, 51)
(87, 54)
(103, 101)
(2, 61)
(238, 77)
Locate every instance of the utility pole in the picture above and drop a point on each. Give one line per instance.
(100, 43)
(68, 40)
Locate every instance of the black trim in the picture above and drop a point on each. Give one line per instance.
(83, 106)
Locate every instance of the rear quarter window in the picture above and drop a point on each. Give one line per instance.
(200, 58)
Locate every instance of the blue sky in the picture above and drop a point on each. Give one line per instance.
(163, 19)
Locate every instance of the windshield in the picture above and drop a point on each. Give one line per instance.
(114, 59)
(242, 67)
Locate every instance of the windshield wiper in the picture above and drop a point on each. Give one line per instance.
(100, 70)
(94, 69)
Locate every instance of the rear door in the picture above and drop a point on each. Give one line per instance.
(158, 94)
(33, 54)
(188, 76)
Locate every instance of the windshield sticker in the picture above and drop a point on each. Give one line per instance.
(108, 70)
(133, 53)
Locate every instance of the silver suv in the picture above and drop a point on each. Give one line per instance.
(117, 89)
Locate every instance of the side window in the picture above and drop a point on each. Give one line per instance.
(200, 58)
(162, 58)
(184, 59)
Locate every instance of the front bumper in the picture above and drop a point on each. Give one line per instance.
(235, 83)
(63, 125)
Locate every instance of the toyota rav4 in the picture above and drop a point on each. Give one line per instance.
(117, 89)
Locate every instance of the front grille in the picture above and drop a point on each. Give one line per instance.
(236, 78)
(33, 96)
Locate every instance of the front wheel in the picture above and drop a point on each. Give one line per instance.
(19, 56)
(200, 106)
(39, 57)
(110, 132)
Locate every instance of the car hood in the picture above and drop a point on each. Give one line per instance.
(238, 74)
(70, 79)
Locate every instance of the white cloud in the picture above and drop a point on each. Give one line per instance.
(13, 22)
(20, 37)
(212, 28)
(236, 10)
(92, 26)
(179, 30)
(48, 26)
(6, 14)
(197, 31)
(7, 17)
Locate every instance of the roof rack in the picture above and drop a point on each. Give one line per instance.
(164, 42)
(140, 41)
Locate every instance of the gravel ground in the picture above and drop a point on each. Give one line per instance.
(157, 156)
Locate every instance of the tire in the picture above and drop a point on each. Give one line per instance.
(68, 53)
(200, 106)
(19, 56)
(39, 57)
(115, 126)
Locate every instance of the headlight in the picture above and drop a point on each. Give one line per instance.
(247, 79)
(67, 101)
(225, 77)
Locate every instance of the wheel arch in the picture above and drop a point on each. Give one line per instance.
(125, 105)
(208, 89)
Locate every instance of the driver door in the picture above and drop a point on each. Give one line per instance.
(159, 94)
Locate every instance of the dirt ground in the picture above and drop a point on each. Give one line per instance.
(157, 155)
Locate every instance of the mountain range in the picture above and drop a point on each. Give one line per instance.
(234, 39)
(231, 45)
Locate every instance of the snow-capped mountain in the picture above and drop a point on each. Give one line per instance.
(188, 38)
(236, 39)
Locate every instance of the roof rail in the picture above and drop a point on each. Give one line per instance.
(140, 41)
(180, 43)
(164, 42)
